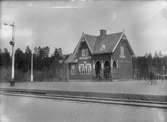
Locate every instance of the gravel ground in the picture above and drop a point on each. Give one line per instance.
(129, 87)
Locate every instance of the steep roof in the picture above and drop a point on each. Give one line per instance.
(71, 59)
(106, 43)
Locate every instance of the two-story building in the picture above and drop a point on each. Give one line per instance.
(106, 56)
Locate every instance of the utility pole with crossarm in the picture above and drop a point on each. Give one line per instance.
(12, 43)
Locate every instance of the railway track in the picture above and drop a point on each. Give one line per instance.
(105, 98)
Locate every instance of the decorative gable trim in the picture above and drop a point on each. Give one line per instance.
(76, 48)
(79, 43)
(88, 46)
(130, 48)
(123, 34)
(118, 42)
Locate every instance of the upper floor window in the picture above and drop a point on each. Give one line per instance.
(122, 52)
(84, 52)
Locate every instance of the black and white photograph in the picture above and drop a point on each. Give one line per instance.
(83, 61)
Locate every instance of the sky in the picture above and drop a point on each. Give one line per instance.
(59, 24)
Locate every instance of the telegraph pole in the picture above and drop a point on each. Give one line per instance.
(12, 43)
(32, 77)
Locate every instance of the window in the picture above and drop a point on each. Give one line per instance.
(89, 68)
(73, 69)
(85, 69)
(84, 52)
(122, 53)
(80, 68)
(114, 64)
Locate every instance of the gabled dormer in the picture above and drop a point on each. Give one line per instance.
(83, 51)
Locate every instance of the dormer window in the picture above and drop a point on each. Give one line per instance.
(122, 52)
(84, 52)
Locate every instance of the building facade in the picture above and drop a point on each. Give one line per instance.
(106, 56)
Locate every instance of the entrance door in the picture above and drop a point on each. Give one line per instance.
(98, 69)
(107, 70)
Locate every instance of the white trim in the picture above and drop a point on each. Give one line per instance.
(78, 45)
(123, 34)
(76, 48)
(122, 52)
(93, 64)
(118, 42)
(102, 64)
(88, 45)
(129, 44)
(111, 63)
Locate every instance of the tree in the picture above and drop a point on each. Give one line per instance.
(58, 54)
(160, 54)
(41, 58)
(20, 60)
(44, 52)
(5, 57)
(28, 50)
(27, 58)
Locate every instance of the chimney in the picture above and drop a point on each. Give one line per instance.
(103, 33)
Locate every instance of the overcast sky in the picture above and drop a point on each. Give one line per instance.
(60, 24)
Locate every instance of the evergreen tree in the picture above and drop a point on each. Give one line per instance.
(20, 60)
(5, 57)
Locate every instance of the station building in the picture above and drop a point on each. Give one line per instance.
(106, 56)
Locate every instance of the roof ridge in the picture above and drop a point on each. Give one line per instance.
(90, 35)
(115, 33)
(99, 35)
